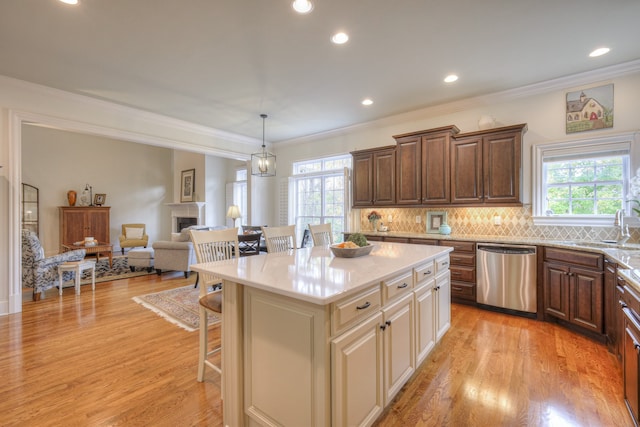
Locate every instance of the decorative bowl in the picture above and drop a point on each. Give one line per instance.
(351, 253)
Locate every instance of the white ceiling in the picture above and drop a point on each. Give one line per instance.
(221, 63)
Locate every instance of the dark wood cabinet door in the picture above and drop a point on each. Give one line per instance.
(466, 171)
(409, 170)
(98, 224)
(556, 290)
(384, 171)
(631, 360)
(586, 298)
(610, 304)
(362, 180)
(74, 226)
(501, 167)
(435, 169)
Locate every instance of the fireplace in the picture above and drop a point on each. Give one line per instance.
(184, 222)
(186, 214)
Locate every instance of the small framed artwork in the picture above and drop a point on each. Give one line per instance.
(99, 199)
(590, 109)
(435, 220)
(187, 185)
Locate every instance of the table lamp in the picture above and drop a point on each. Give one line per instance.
(234, 213)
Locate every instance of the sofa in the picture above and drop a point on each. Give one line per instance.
(178, 254)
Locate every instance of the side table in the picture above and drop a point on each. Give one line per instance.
(78, 267)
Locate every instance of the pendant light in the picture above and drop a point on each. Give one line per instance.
(263, 163)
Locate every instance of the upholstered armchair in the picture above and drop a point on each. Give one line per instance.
(133, 235)
(41, 273)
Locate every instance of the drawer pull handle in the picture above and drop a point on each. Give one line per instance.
(363, 306)
(456, 273)
(404, 285)
(455, 288)
(445, 262)
(455, 259)
(622, 303)
(427, 272)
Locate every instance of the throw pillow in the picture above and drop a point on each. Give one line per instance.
(133, 233)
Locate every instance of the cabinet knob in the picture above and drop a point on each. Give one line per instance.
(388, 323)
(383, 327)
(363, 306)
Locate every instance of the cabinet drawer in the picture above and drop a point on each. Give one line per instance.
(397, 286)
(347, 312)
(442, 263)
(459, 246)
(431, 242)
(584, 259)
(462, 259)
(396, 239)
(424, 272)
(463, 290)
(465, 274)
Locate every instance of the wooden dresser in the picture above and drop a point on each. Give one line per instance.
(78, 222)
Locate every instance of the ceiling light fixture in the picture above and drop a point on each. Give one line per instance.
(302, 6)
(263, 163)
(367, 102)
(340, 38)
(450, 78)
(69, 1)
(599, 52)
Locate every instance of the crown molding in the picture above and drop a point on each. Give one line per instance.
(562, 83)
(134, 114)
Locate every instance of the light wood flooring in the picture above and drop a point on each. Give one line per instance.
(103, 360)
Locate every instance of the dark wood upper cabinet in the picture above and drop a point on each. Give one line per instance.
(374, 177)
(422, 173)
(440, 167)
(486, 166)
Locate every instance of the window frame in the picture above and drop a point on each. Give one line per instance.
(626, 142)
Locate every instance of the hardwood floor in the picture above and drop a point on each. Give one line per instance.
(103, 360)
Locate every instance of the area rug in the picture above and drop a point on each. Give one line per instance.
(119, 270)
(179, 306)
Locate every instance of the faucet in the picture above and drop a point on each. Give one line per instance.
(623, 229)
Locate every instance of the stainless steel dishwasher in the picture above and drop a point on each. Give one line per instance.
(507, 276)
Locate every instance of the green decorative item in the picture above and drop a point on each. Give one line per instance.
(359, 239)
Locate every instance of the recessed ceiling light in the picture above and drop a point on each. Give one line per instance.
(451, 78)
(367, 101)
(69, 1)
(340, 38)
(302, 6)
(599, 52)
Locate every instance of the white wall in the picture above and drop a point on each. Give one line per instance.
(137, 179)
(542, 108)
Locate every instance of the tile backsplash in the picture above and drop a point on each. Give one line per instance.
(515, 222)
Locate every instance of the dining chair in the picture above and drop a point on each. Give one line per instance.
(280, 239)
(321, 234)
(209, 246)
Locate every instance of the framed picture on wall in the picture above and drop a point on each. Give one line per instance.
(590, 109)
(435, 220)
(187, 185)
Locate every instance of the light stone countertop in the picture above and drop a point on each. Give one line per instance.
(315, 275)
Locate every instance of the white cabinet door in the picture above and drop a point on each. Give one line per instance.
(357, 381)
(399, 352)
(443, 289)
(425, 301)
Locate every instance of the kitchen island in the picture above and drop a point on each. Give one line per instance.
(311, 339)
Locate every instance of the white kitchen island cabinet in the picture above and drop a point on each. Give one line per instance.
(309, 339)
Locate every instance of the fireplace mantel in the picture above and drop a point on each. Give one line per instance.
(186, 210)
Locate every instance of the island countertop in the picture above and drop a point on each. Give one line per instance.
(315, 275)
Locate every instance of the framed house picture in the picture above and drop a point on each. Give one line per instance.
(187, 185)
(99, 199)
(589, 109)
(435, 220)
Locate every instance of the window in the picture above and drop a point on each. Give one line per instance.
(581, 182)
(319, 190)
(237, 194)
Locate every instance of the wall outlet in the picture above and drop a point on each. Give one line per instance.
(497, 220)
(418, 219)
(389, 218)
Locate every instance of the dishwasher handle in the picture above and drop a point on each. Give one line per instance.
(511, 250)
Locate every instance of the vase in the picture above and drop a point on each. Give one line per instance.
(71, 197)
(445, 229)
(374, 225)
